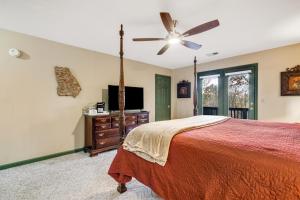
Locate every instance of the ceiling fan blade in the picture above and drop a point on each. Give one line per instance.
(165, 48)
(167, 21)
(147, 39)
(201, 28)
(190, 45)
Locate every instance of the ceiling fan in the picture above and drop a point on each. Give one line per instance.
(174, 37)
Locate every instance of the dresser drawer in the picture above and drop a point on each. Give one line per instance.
(100, 127)
(128, 123)
(143, 116)
(114, 132)
(130, 117)
(115, 118)
(115, 125)
(143, 121)
(102, 120)
(111, 141)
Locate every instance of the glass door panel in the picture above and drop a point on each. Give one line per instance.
(210, 95)
(238, 95)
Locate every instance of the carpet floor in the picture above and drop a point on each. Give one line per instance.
(75, 177)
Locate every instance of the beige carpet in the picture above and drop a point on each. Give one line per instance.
(75, 176)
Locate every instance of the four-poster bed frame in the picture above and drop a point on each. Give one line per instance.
(121, 89)
(122, 187)
(195, 95)
(216, 158)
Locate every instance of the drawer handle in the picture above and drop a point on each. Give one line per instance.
(103, 126)
(101, 143)
(116, 125)
(101, 134)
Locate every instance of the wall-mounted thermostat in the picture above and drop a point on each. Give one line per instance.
(14, 52)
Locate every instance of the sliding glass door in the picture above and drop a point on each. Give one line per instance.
(231, 92)
(210, 93)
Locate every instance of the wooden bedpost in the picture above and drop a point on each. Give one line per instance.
(195, 88)
(121, 187)
(121, 89)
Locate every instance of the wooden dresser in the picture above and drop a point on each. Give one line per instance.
(102, 132)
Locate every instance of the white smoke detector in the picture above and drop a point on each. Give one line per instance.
(14, 52)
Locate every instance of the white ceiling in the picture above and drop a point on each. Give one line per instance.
(246, 25)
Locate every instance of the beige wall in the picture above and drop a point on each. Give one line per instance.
(271, 106)
(34, 121)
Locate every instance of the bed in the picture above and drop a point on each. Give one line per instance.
(233, 159)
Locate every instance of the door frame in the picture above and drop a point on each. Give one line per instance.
(170, 97)
(221, 86)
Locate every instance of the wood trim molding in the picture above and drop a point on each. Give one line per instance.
(32, 160)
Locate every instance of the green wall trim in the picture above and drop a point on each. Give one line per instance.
(32, 160)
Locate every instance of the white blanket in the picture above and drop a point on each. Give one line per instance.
(152, 141)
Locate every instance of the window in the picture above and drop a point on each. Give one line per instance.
(229, 91)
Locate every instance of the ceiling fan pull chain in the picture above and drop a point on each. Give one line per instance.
(175, 24)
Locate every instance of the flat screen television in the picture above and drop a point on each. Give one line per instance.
(134, 98)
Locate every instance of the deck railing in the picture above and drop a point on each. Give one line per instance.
(210, 110)
(240, 113)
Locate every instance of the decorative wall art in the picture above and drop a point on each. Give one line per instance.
(290, 82)
(184, 89)
(67, 84)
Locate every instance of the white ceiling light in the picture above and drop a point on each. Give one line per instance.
(174, 40)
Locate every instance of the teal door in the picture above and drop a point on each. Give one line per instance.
(230, 92)
(162, 97)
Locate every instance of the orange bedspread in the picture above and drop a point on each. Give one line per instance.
(237, 159)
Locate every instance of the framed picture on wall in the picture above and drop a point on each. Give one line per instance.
(290, 82)
(184, 89)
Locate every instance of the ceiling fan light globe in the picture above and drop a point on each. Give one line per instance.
(174, 41)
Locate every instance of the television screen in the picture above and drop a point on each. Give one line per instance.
(134, 98)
